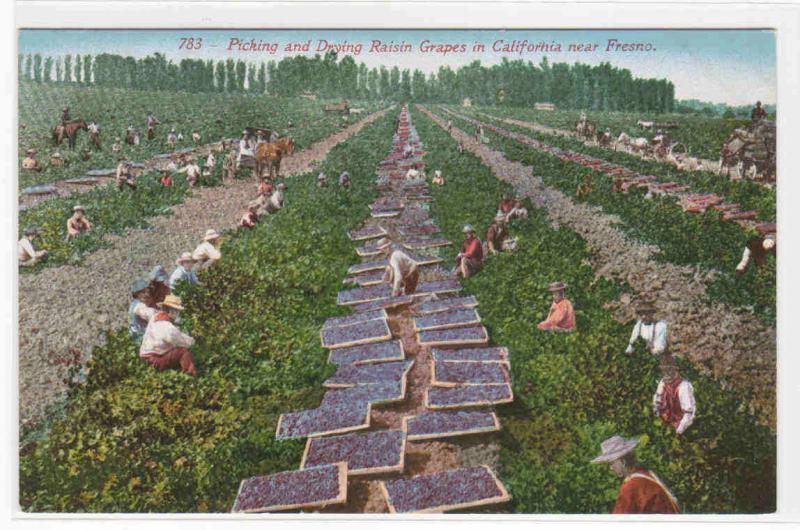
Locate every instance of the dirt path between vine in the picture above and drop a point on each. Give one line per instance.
(65, 311)
(735, 347)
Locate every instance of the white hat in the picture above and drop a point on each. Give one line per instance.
(211, 234)
(78, 207)
(615, 447)
(185, 257)
(467, 229)
(383, 243)
(769, 243)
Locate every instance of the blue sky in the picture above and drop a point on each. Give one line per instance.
(724, 66)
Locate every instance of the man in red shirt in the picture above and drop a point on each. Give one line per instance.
(506, 205)
(470, 259)
(641, 491)
(250, 217)
(561, 316)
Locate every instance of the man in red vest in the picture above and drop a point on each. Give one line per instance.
(641, 491)
(673, 401)
(470, 259)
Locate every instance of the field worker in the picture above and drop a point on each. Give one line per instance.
(184, 272)
(617, 186)
(151, 125)
(438, 179)
(407, 151)
(757, 247)
(344, 179)
(402, 273)
(497, 238)
(264, 188)
(449, 126)
(124, 174)
(460, 148)
(166, 178)
(94, 134)
(180, 137)
(159, 285)
(758, 113)
(207, 253)
(129, 132)
(245, 149)
(517, 212)
(641, 491)
(276, 200)
(85, 154)
(250, 217)
(65, 117)
(208, 168)
(29, 163)
(77, 224)
(506, 204)
(56, 160)
(229, 166)
(322, 180)
(585, 187)
(135, 137)
(192, 171)
(172, 138)
(470, 259)
(196, 137)
(163, 345)
(116, 147)
(653, 332)
(139, 313)
(27, 255)
(673, 401)
(412, 174)
(561, 316)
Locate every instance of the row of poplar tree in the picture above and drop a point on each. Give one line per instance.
(512, 83)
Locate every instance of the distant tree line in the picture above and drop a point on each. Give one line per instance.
(512, 83)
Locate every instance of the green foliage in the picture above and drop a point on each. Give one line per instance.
(134, 439)
(574, 390)
(683, 238)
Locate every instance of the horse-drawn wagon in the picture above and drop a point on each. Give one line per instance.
(751, 150)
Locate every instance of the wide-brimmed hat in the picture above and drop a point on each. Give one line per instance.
(172, 301)
(211, 234)
(56, 155)
(78, 207)
(185, 257)
(557, 286)
(769, 242)
(30, 152)
(139, 285)
(615, 447)
(468, 229)
(31, 231)
(383, 243)
(116, 138)
(645, 306)
(281, 186)
(321, 176)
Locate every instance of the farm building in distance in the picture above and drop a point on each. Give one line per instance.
(544, 106)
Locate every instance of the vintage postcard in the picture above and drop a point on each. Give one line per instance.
(397, 271)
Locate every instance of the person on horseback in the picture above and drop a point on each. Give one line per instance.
(65, 117)
(758, 113)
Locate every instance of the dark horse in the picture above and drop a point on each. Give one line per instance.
(69, 131)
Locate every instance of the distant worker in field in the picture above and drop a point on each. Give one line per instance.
(207, 253)
(29, 163)
(166, 178)
(151, 126)
(250, 217)
(56, 160)
(449, 126)
(674, 401)
(506, 204)
(85, 154)
(322, 180)
(172, 138)
(653, 332)
(129, 135)
(211, 162)
(125, 174)
(617, 186)
(196, 137)
(139, 312)
(94, 134)
(245, 148)
(264, 188)
(758, 113)
(438, 179)
(192, 171)
(497, 239)
(159, 285)
(470, 260)
(65, 117)
(184, 272)
(164, 345)
(26, 254)
(344, 179)
(757, 248)
(229, 166)
(641, 491)
(517, 212)
(561, 316)
(413, 173)
(77, 224)
(116, 147)
(276, 200)
(402, 273)
(585, 187)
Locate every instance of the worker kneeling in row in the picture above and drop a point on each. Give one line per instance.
(164, 345)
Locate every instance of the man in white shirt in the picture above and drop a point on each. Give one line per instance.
(192, 171)
(124, 174)
(344, 179)
(402, 272)
(28, 256)
(673, 401)
(653, 332)
(412, 174)
(208, 168)
(164, 345)
(207, 253)
(172, 138)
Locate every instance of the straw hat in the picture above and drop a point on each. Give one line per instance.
(78, 208)
(172, 301)
(56, 155)
(383, 243)
(139, 285)
(211, 234)
(468, 229)
(557, 286)
(769, 242)
(281, 186)
(186, 257)
(615, 447)
(30, 152)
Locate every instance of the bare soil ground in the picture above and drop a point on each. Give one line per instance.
(65, 311)
(734, 346)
